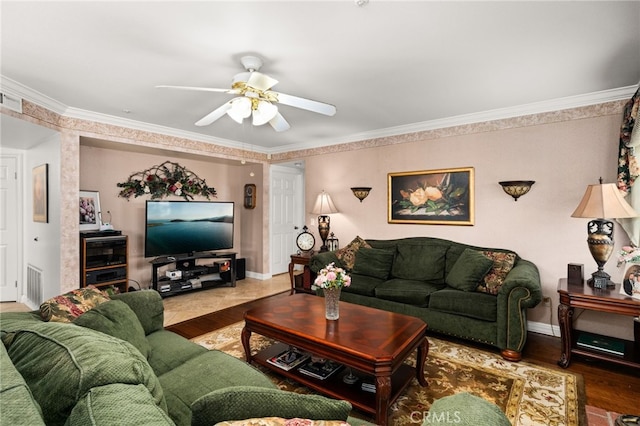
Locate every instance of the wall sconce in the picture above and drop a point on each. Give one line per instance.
(324, 207)
(361, 192)
(516, 188)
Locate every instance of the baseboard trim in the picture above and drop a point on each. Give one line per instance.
(543, 328)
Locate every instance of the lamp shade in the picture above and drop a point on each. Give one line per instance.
(603, 201)
(324, 204)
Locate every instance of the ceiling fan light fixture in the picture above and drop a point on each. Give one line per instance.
(240, 109)
(264, 113)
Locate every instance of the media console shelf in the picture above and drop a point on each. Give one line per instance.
(196, 272)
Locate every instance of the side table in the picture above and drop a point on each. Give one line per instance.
(301, 283)
(607, 300)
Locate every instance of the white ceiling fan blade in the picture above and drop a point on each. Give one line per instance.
(308, 104)
(214, 115)
(199, 89)
(279, 124)
(240, 109)
(260, 81)
(264, 113)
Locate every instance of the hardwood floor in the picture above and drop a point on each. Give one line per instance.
(607, 386)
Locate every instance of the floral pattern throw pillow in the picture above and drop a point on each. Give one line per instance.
(347, 254)
(502, 263)
(69, 306)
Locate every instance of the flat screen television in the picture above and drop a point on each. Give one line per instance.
(174, 228)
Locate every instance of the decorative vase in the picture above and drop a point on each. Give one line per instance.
(331, 300)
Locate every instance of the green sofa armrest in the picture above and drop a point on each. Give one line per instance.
(246, 402)
(148, 307)
(521, 290)
(524, 275)
(320, 260)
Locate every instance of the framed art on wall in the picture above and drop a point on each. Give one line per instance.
(89, 212)
(40, 178)
(432, 197)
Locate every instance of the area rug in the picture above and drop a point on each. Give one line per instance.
(528, 394)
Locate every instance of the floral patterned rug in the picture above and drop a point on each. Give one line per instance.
(528, 394)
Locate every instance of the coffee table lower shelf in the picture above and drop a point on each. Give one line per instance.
(334, 386)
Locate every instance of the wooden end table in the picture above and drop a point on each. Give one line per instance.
(307, 276)
(604, 300)
(368, 340)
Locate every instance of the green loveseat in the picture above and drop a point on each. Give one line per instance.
(133, 371)
(457, 289)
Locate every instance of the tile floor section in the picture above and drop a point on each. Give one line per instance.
(191, 305)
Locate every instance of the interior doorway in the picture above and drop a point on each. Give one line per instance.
(287, 213)
(9, 228)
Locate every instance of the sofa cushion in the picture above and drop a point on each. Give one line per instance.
(118, 404)
(468, 409)
(502, 263)
(69, 306)
(373, 262)
(66, 361)
(243, 402)
(116, 319)
(469, 304)
(421, 260)
(170, 350)
(347, 254)
(17, 405)
(148, 306)
(363, 284)
(411, 292)
(210, 371)
(469, 270)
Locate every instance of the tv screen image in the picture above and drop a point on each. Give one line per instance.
(187, 227)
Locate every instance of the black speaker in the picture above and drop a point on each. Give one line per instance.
(241, 269)
(575, 273)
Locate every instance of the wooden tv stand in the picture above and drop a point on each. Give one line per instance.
(194, 275)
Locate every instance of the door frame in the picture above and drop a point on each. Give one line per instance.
(20, 267)
(299, 212)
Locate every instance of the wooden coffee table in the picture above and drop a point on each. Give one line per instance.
(370, 341)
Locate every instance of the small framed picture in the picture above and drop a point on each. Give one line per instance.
(89, 211)
(631, 282)
(40, 177)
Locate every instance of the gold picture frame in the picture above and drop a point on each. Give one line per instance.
(40, 193)
(432, 197)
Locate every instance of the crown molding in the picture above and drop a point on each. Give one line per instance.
(612, 95)
(571, 102)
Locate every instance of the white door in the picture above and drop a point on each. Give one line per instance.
(287, 215)
(9, 206)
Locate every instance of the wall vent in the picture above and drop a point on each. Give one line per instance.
(34, 286)
(11, 102)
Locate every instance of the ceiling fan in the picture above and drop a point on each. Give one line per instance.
(256, 99)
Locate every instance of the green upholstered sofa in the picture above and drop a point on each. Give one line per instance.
(70, 374)
(476, 293)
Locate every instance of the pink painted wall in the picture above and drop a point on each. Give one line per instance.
(563, 158)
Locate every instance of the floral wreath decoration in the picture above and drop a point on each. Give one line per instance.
(166, 179)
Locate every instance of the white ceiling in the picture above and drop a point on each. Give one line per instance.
(389, 66)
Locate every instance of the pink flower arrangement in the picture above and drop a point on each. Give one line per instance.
(628, 254)
(332, 277)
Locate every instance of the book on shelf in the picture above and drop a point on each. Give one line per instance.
(289, 359)
(368, 386)
(606, 344)
(320, 369)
